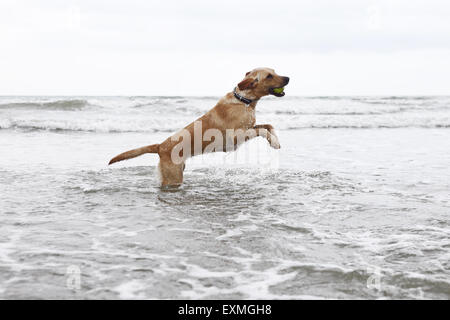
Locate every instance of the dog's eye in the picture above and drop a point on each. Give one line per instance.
(269, 76)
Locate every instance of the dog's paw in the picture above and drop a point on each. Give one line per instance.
(274, 143)
(276, 146)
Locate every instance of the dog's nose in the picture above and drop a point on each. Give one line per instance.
(286, 80)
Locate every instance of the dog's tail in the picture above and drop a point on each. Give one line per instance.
(154, 148)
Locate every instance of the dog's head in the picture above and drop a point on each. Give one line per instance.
(261, 82)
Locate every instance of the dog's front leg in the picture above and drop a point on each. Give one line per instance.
(267, 131)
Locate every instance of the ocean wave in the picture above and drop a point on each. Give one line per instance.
(100, 128)
(358, 110)
(163, 101)
(433, 126)
(337, 113)
(409, 98)
(131, 126)
(168, 114)
(70, 104)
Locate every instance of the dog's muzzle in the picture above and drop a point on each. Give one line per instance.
(279, 91)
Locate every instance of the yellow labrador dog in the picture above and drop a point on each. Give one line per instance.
(223, 128)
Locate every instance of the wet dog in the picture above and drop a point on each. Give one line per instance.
(223, 128)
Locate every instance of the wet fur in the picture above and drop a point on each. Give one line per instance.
(229, 113)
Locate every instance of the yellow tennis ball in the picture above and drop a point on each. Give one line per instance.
(278, 90)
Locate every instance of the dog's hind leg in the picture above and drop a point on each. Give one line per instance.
(171, 173)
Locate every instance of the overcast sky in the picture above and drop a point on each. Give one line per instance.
(201, 47)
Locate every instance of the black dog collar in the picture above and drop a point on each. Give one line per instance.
(241, 98)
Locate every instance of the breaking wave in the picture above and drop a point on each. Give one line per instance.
(70, 104)
(117, 127)
(168, 114)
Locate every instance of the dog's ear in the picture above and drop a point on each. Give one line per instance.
(246, 84)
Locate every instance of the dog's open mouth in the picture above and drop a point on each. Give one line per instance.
(277, 92)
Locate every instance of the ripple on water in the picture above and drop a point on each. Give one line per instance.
(233, 233)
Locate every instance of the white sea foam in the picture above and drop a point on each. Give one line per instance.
(153, 114)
